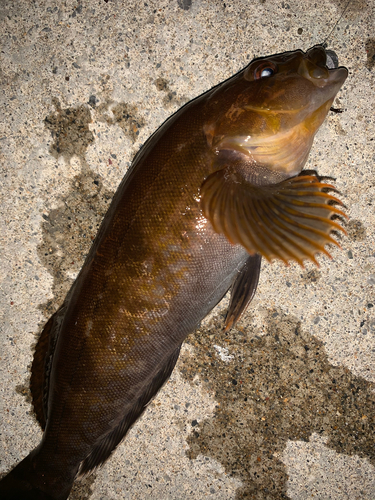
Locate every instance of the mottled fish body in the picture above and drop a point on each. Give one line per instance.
(213, 190)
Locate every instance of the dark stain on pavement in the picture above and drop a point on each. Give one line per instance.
(356, 230)
(69, 230)
(70, 131)
(370, 50)
(82, 488)
(277, 387)
(311, 276)
(184, 4)
(170, 98)
(124, 115)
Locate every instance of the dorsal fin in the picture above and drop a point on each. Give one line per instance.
(39, 380)
(104, 447)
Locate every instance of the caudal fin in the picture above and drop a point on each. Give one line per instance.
(25, 482)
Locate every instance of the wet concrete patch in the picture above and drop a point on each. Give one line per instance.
(124, 115)
(127, 118)
(184, 4)
(311, 276)
(370, 50)
(356, 230)
(69, 230)
(70, 131)
(170, 98)
(24, 390)
(161, 84)
(82, 488)
(276, 388)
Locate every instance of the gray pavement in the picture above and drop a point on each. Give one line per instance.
(281, 406)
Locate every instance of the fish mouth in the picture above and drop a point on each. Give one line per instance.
(321, 67)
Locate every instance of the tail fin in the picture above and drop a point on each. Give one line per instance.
(13, 487)
(24, 482)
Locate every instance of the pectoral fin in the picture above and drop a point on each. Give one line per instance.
(243, 290)
(290, 221)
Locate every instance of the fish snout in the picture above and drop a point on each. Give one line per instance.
(321, 67)
(317, 55)
(313, 64)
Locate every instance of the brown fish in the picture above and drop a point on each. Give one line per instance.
(213, 190)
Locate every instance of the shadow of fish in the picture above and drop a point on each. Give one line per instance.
(212, 191)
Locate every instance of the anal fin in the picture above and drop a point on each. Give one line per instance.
(243, 290)
(103, 448)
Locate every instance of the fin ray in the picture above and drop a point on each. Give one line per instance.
(290, 221)
(243, 290)
(39, 380)
(104, 447)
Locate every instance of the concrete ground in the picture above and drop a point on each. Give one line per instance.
(283, 405)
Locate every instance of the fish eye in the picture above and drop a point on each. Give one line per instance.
(265, 70)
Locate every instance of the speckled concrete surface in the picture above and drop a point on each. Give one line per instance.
(283, 406)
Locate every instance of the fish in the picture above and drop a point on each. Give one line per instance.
(219, 186)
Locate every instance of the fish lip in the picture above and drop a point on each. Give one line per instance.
(317, 55)
(320, 55)
(321, 67)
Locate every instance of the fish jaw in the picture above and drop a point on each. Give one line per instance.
(278, 104)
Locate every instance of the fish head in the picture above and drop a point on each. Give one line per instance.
(260, 126)
(269, 113)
